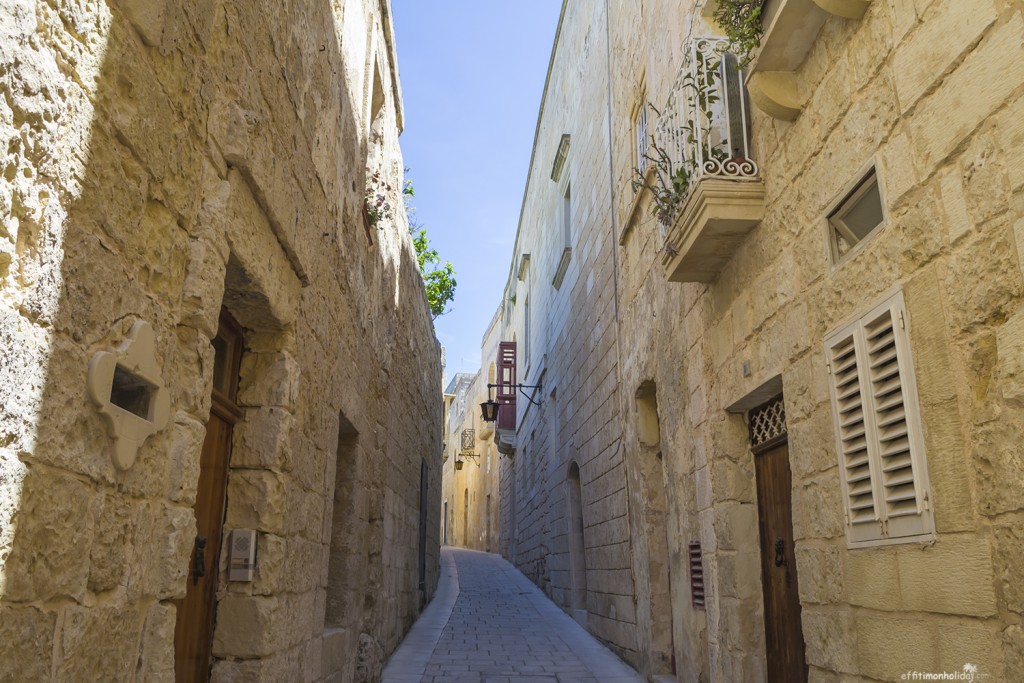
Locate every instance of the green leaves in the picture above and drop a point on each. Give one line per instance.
(741, 21)
(438, 277)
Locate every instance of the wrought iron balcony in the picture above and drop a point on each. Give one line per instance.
(710, 188)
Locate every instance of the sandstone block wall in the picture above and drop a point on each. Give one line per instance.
(569, 346)
(639, 373)
(471, 494)
(162, 159)
(939, 119)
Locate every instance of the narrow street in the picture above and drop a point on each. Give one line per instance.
(489, 624)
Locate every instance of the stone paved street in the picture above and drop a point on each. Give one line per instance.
(489, 624)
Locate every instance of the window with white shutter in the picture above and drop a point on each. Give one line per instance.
(878, 428)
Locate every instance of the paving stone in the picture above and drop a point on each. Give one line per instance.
(490, 624)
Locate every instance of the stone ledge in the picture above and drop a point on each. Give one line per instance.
(790, 29)
(716, 218)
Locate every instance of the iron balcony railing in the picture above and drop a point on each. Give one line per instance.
(704, 128)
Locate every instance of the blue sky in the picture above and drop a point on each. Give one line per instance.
(472, 76)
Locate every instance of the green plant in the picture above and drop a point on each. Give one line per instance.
(378, 204)
(668, 186)
(741, 21)
(672, 175)
(438, 278)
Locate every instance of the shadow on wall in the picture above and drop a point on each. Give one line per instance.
(209, 165)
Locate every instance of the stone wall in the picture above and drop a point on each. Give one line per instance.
(564, 327)
(886, 89)
(475, 490)
(646, 382)
(162, 159)
(471, 493)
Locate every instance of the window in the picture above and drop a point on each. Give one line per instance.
(642, 138)
(560, 156)
(878, 428)
(855, 217)
(526, 333)
(565, 218)
(505, 393)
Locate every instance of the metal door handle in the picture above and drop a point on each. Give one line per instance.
(199, 560)
(780, 556)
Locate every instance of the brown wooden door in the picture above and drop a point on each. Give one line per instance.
(193, 630)
(784, 638)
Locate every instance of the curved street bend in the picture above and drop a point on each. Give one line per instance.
(489, 624)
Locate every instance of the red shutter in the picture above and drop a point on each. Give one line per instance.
(506, 392)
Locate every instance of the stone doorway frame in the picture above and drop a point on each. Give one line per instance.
(742, 592)
(238, 264)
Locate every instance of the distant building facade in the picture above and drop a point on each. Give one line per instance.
(777, 435)
(220, 457)
(470, 475)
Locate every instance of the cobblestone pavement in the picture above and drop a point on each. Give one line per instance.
(489, 624)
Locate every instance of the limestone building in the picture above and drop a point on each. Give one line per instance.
(470, 483)
(218, 448)
(471, 475)
(778, 426)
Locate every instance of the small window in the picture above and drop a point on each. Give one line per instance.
(641, 135)
(567, 217)
(566, 221)
(857, 216)
(879, 440)
(526, 332)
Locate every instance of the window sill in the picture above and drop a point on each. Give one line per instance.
(715, 220)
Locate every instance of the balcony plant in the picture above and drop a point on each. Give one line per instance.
(669, 183)
(741, 21)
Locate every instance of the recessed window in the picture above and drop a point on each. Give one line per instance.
(566, 221)
(130, 392)
(857, 216)
(641, 135)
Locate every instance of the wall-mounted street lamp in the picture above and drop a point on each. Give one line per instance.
(489, 408)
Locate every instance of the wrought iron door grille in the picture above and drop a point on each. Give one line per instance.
(767, 422)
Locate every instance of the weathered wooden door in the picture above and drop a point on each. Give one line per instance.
(784, 639)
(193, 630)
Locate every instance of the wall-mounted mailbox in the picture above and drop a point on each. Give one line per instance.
(242, 555)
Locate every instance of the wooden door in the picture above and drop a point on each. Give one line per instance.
(193, 629)
(784, 638)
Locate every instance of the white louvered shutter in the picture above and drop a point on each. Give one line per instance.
(896, 413)
(878, 428)
(852, 436)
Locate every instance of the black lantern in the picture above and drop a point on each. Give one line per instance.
(458, 464)
(489, 410)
